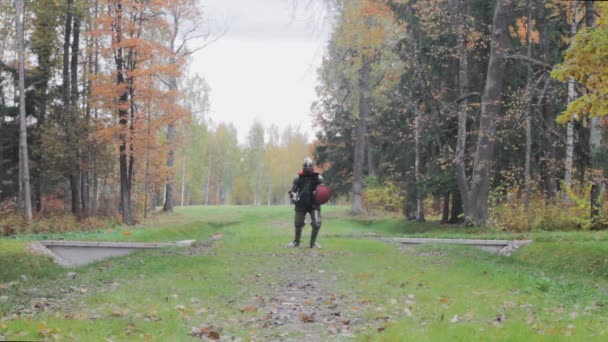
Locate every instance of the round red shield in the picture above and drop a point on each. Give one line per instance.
(323, 194)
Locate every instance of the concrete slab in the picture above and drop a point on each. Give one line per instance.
(77, 253)
(505, 247)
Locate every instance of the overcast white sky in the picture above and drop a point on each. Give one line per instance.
(265, 67)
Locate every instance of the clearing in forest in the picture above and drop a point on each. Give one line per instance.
(241, 282)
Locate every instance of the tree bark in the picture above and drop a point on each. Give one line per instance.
(475, 196)
(73, 125)
(445, 215)
(409, 204)
(181, 203)
(570, 126)
(123, 121)
(94, 198)
(168, 206)
(456, 210)
(371, 164)
(595, 139)
(359, 155)
(528, 115)
(24, 169)
(549, 163)
(419, 197)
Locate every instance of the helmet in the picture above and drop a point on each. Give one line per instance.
(307, 166)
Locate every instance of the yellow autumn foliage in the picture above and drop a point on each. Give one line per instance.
(586, 63)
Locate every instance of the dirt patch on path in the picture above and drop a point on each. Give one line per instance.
(300, 304)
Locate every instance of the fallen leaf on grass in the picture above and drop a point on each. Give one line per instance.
(248, 308)
(306, 318)
(210, 332)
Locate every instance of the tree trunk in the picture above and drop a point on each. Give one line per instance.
(456, 210)
(207, 186)
(419, 197)
(595, 139)
(73, 125)
(168, 206)
(549, 164)
(445, 215)
(95, 196)
(181, 203)
(570, 125)
(359, 155)
(475, 196)
(24, 169)
(371, 164)
(147, 166)
(123, 121)
(528, 116)
(463, 84)
(409, 208)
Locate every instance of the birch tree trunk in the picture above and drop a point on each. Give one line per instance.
(181, 203)
(359, 155)
(570, 125)
(24, 169)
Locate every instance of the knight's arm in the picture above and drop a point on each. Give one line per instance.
(294, 186)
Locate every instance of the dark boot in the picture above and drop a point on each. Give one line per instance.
(296, 240)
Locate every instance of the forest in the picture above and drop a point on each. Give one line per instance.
(475, 112)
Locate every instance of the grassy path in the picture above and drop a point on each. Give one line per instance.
(247, 286)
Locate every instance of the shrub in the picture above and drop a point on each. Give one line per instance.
(510, 214)
(381, 197)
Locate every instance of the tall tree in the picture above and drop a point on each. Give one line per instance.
(475, 194)
(184, 16)
(24, 198)
(549, 163)
(570, 124)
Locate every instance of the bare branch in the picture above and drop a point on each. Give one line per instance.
(467, 95)
(531, 61)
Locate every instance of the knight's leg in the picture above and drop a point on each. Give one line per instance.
(298, 223)
(315, 215)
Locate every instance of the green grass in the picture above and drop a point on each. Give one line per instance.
(553, 289)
